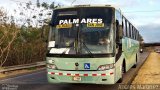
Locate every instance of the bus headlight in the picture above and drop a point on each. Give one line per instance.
(50, 61)
(106, 67)
(52, 66)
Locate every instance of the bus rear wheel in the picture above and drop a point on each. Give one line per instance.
(135, 65)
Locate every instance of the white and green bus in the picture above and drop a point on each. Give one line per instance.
(90, 44)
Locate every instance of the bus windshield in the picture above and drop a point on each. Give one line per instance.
(82, 31)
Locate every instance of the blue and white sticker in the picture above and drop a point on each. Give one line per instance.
(86, 65)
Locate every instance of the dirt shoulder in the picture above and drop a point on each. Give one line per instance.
(149, 73)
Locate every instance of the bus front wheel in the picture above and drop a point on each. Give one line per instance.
(122, 72)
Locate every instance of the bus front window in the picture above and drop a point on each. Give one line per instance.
(98, 37)
(83, 31)
(98, 41)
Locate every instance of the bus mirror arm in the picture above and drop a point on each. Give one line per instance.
(51, 24)
(46, 41)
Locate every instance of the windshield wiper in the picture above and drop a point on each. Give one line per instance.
(87, 49)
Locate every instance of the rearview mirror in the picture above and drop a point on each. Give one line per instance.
(51, 44)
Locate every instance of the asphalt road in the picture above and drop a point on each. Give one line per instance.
(38, 81)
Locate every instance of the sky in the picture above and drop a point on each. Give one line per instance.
(144, 14)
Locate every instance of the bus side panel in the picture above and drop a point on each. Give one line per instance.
(126, 53)
(130, 49)
(133, 51)
(118, 68)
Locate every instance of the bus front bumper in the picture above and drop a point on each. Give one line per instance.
(89, 77)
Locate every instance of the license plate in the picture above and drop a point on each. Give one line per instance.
(76, 78)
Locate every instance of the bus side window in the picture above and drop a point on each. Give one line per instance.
(131, 31)
(128, 29)
(134, 33)
(117, 28)
(124, 27)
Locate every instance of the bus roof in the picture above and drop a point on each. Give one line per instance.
(81, 6)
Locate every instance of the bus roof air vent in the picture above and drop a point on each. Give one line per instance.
(108, 5)
(82, 5)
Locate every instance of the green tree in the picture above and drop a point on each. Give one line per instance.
(45, 5)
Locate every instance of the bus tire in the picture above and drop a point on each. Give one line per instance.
(135, 65)
(120, 80)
